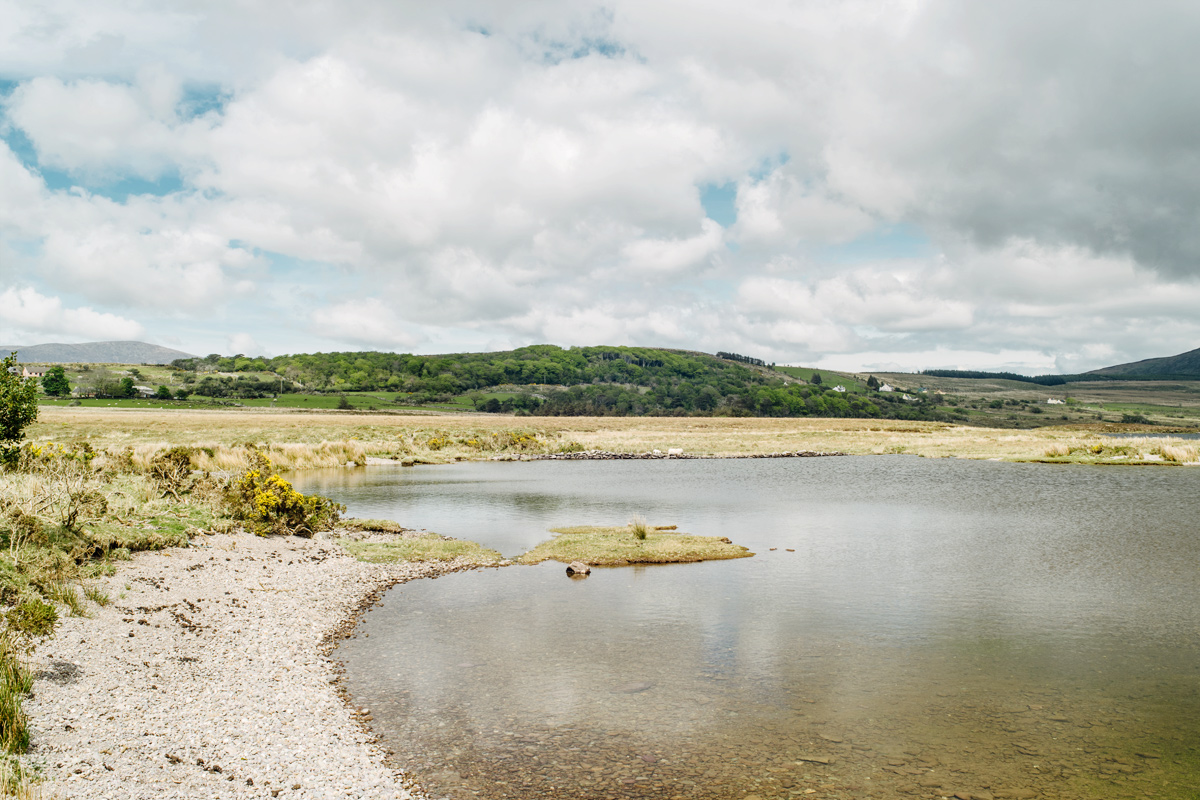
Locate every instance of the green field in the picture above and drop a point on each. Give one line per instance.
(851, 382)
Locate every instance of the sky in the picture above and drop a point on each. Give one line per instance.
(851, 185)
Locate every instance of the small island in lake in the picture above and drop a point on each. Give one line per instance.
(601, 546)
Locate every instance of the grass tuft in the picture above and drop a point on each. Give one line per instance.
(638, 526)
(64, 592)
(96, 595)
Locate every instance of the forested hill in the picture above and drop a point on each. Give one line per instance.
(546, 379)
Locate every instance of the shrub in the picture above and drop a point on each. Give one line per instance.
(171, 471)
(268, 504)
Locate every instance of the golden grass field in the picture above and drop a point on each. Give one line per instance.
(308, 439)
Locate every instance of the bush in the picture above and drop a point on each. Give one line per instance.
(171, 471)
(268, 504)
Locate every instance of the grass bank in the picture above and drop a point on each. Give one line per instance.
(600, 546)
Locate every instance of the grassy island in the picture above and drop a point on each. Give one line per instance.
(600, 546)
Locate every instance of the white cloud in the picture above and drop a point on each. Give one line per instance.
(242, 343)
(31, 315)
(368, 323)
(532, 170)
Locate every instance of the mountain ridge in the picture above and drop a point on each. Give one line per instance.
(1184, 365)
(122, 352)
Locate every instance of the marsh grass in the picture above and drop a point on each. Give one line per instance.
(638, 526)
(377, 525)
(420, 547)
(614, 546)
(1137, 450)
(15, 682)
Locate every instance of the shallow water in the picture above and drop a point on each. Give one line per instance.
(940, 626)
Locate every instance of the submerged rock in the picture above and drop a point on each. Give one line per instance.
(578, 568)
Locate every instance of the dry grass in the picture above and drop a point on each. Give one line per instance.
(300, 440)
(601, 546)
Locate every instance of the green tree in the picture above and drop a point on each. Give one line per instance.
(873, 382)
(18, 406)
(182, 394)
(816, 378)
(162, 393)
(55, 383)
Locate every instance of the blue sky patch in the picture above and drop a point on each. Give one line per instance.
(719, 202)
(886, 242)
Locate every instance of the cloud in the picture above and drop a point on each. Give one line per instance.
(368, 323)
(245, 344)
(29, 314)
(533, 171)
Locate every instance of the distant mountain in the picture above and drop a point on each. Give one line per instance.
(1184, 365)
(95, 353)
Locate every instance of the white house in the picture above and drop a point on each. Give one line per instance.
(839, 388)
(1054, 401)
(887, 388)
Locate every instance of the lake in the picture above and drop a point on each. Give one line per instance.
(908, 627)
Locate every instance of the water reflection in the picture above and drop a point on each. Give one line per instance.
(941, 626)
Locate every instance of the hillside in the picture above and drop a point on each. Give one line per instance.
(1183, 366)
(552, 381)
(95, 353)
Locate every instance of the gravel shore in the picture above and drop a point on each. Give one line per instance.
(208, 676)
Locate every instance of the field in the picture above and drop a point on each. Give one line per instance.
(450, 437)
(853, 383)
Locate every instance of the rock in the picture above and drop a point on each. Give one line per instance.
(634, 688)
(578, 568)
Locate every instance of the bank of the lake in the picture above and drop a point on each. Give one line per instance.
(208, 676)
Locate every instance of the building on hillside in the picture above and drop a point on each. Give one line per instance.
(145, 391)
(36, 372)
(839, 388)
(887, 388)
(1054, 401)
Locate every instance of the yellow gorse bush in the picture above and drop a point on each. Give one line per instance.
(268, 504)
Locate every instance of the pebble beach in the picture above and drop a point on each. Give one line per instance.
(209, 675)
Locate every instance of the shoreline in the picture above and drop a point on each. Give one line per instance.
(212, 675)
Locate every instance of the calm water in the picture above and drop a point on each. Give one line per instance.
(923, 627)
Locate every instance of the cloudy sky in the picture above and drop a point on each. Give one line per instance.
(856, 185)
